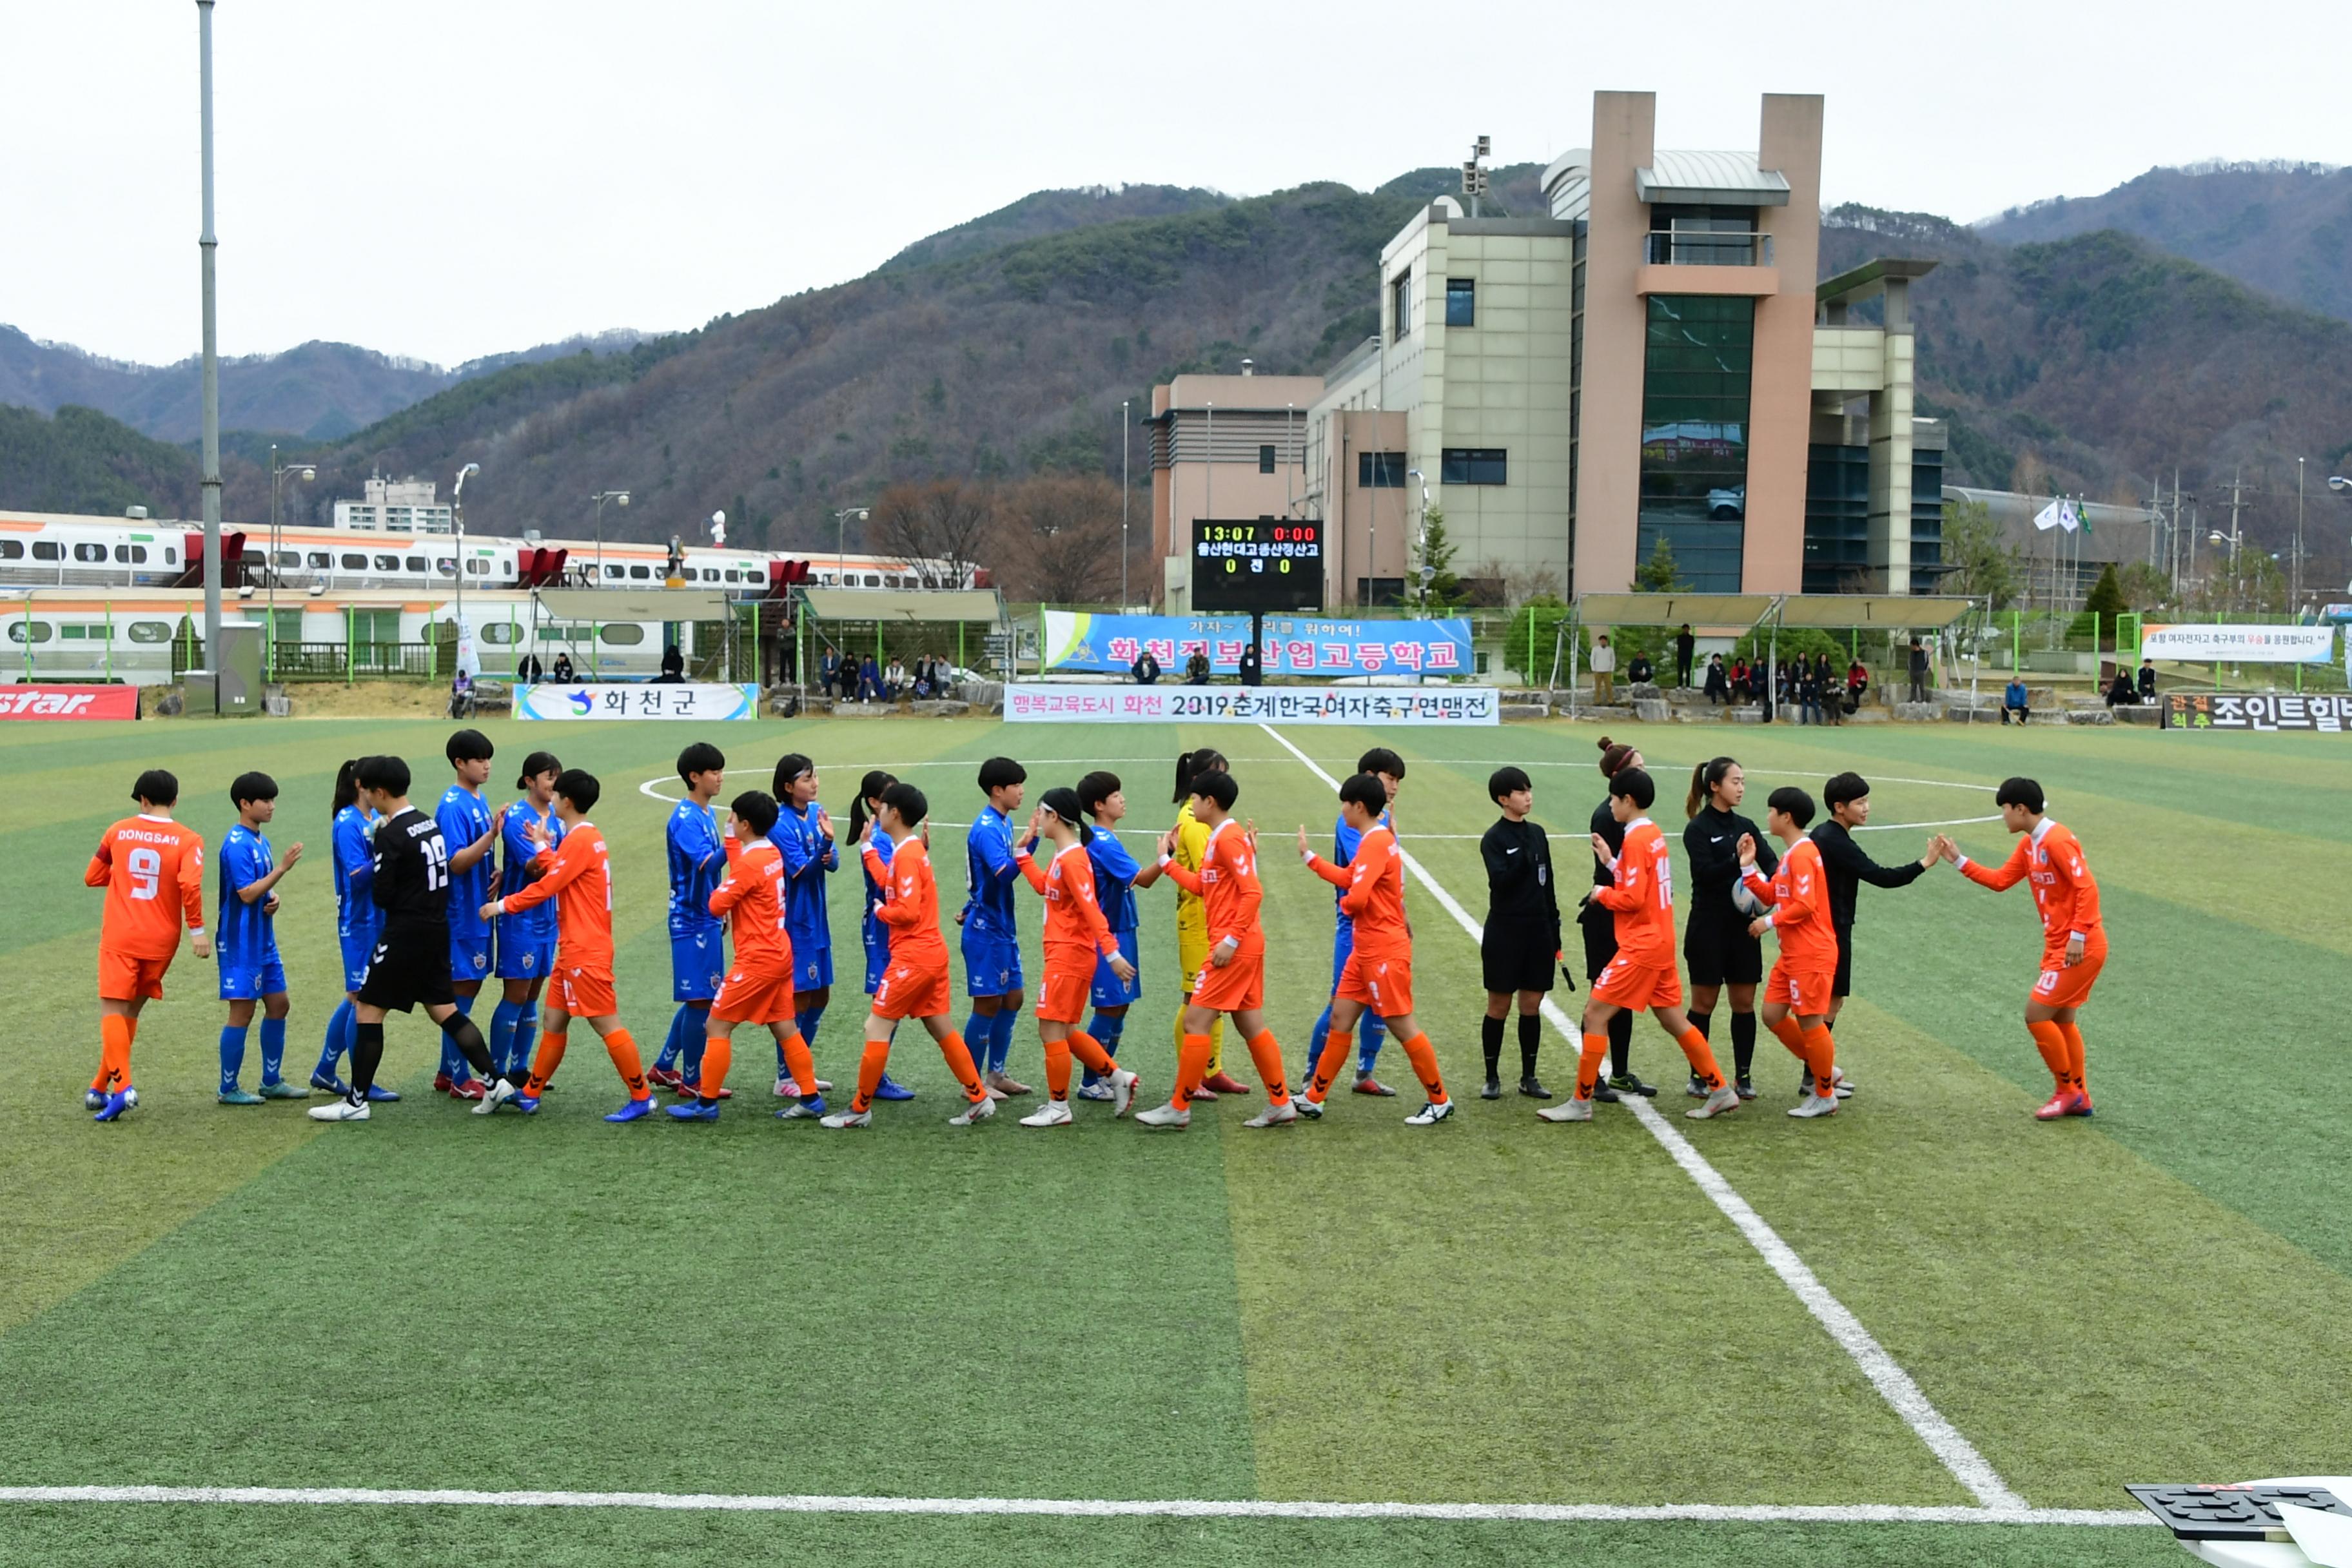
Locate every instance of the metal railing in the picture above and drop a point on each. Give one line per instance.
(1708, 247)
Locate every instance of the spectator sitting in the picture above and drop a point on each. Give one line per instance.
(2147, 680)
(1146, 668)
(529, 670)
(869, 680)
(1196, 669)
(1719, 683)
(1639, 672)
(2012, 701)
(2121, 693)
(1857, 681)
(673, 664)
(829, 673)
(894, 680)
(1742, 690)
(562, 671)
(461, 695)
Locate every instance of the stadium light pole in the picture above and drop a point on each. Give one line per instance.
(279, 472)
(1126, 495)
(210, 479)
(618, 498)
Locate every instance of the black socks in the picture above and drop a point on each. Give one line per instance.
(1743, 1044)
(1531, 1038)
(1490, 1037)
(1620, 1044)
(466, 1038)
(367, 1051)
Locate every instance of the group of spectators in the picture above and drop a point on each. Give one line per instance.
(1811, 688)
(850, 680)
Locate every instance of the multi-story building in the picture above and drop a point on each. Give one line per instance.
(397, 506)
(1223, 446)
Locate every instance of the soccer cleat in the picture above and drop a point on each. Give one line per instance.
(1281, 1115)
(2079, 1104)
(442, 1083)
(1224, 1083)
(340, 1110)
(1206, 1096)
(842, 1119)
(1814, 1105)
(1367, 1084)
(1574, 1110)
(1052, 1113)
(1430, 1115)
(236, 1096)
(282, 1090)
(1493, 1090)
(471, 1088)
(2054, 1107)
(891, 1088)
(692, 1089)
(812, 1106)
(1631, 1083)
(377, 1094)
(1725, 1098)
(1004, 1088)
(1745, 1089)
(1534, 1090)
(1604, 1094)
(1122, 1091)
(1309, 1107)
(666, 1078)
(1164, 1116)
(787, 1089)
(1694, 1088)
(92, 1098)
(975, 1110)
(1838, 1082)
(695, 1111)
(328, 1083)
(1095, 1091)
(525, 1103)
(635, 1110)
(112, 1108)
(503, 1093)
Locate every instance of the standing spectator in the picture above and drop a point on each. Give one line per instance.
(1146, 668)
(1918, 671)
(563, 668)
(1251, 665)
(2012, 701)
(1604, 670)
(1830, 688)
(1639, 672)
(2147, 680)
(1196, 669)
(1719, 684)
(1809, 692)
(1685, 645)
(894, 680)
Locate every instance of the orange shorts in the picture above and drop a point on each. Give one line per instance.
(1383, 985)
(761, 996)
(2060, 986)
(907, 992)
(123, 978)
(1805, 991)
(1637, 987)
(587, 993)
(1066, 992)
(1238, 987)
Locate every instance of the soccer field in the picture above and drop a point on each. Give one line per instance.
(1930, 1330)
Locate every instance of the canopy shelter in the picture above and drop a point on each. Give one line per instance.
(715, 649)
(835, 615)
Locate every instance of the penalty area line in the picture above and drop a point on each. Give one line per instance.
(1895, 1386)
(1089, 1508)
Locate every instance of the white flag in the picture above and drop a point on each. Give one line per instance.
(2047, 518)
(2068, 517)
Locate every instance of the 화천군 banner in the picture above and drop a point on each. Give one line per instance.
(1047, 701)
(636, 699)
(1295, 645)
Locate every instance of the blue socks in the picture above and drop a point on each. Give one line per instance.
(502, 1033)
(453, 1060)
(1106, 1031)
(340, 1025)
(979, 1037)
(671, 1044)
(1000, 1048)
(1369, 1038)
(693, 1027)
(232, 1055)
(806, 1021)
(273, 1050)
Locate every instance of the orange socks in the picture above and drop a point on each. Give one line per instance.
(623, 1048)
(1701, 1058)
(869, 1071)
(958, 1059)
(1788, 1035)
(1330, 1065)
(1191, 1067)
(1423, 1057)
(1266, 1057)
(114, 1033)
(550, 1057)
(1082, 1046)
(1594, 1051)
(797, 1062)
(2051, 1041)
(1820, 1055)
(2075, 1064)
(718, 1056)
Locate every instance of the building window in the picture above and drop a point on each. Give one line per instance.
(48, 550)
(1400, 307)
(416, 564)
(24, 630)
(90, 552)
(1461, 301)
(1474, 466)
(387, 563)
(11, 550)
(151, 631)
(354, 562)
(1693, 462)
(1380, 470)
(641, 572)
(1265, 459)
(320, 561)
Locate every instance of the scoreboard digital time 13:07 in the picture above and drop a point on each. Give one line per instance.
(1257, 565)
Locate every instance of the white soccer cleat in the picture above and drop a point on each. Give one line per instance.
(1430, 1115)
(1099, 1090)
(974, 1111)
(1721, 1102)
(340, 1110)
(1052, 1113)
(1839, 1084)
(1164, 1116)
(1281, 1115)
(1814, 1105)
(1122, 1091)
(1570, 1109)
(497, 1095)
(840, 1119)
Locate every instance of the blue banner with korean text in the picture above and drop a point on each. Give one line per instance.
(1295, 645)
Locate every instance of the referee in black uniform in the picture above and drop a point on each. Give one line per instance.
(1519, 946)
(1847, 868)
(1716, 944)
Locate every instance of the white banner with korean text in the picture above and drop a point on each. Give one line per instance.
(1050, 701)
(636, 699)
(2239, 644)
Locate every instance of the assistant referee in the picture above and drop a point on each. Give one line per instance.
(1519, 947)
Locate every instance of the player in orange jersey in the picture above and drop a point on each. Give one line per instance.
(153, 869)
(1378, 973)
(1797, 893)
(577, 874)
(1233, 980)
(759, 988)
(1076, 932)
(2074, 939)
(916, 986)
(1641, 899)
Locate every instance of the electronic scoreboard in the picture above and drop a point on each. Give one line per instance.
(1257, 565)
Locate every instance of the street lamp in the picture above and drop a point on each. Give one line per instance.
(278, 472)
(2338, 483)
(1426, 573)
(841, 543)
(457, 522)
(618, 498)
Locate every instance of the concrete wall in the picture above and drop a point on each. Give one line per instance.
(1780, 392)
(1609, 470)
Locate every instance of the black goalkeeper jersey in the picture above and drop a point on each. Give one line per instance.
(412, 875)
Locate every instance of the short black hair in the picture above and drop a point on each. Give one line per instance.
(1844, 789)
(1792, 803)
(1096, 788)
(468, 746)
(1506, 781)
(156, 786)
(1365, 791)
(580, 787)
(1381, 760)
(999, 772)
(536, 764)
(2021, 792)
(907, 802)
(1634, 785)
(701, 757)
(1223, 788)
(389, 775)
(252, 786)
(789, 766)
(754, 808)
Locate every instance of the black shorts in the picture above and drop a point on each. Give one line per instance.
(1600, 938)
(1519, 954)
(1719, 951)
(408, 971)
(1844, 984)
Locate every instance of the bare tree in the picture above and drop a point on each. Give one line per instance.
(1517, 581)
(942, 528)
(1059, 536)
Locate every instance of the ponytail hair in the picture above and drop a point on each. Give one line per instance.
(869, 788)
(347, 787)
(1063, 801)
(1703, 778)
(1613, 757)
(1191, 765)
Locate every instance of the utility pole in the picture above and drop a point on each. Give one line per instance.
(205, 245)
(1126, 495)
(2295, 589)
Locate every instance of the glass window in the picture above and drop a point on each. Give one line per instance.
(711, 573)
(1461, 301)
(446, 564)
(416, 563)
(872, 580)
(122, 553)
(20, 626)
(48, 550)
(90, 552)
(1474, 466)
(12, 550)
(620, 634)
(733, 576)
(616, 571)
(1399, 306)
(641, 573)
(1380, 470)
(477, 567)
(1265, 459)
(498, 634)
(171, 554)
(1694, 463)
(289, 558)
(319, 560)
(354, 562)
(387, 563)
(139, 555)
(151, 631)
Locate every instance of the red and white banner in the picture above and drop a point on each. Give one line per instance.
(30, 702)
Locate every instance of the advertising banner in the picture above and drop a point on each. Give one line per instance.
(1295, 645)
(38, 701)
(2268, 712)
(2239, 645)
(1048, 701)
(636, 699)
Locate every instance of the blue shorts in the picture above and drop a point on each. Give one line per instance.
(991, 963)
(1343, 947)
(698, 963)
(1109, 991)
(877, 959)
(469, 958)
(812, 963)
(527, 959)
(244, 982)
(358, 948)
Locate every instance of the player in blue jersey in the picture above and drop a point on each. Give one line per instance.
(698, 939)
(470, 832)
(526, 941)
(1116, 877)
(867, 807)
(1389, 768)
(358, 924)
(246, 939)
(803, 835)
(991, 942)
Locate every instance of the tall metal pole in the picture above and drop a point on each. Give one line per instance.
(205, 245)
(2294, 591)
(1126, 495)
(269, 643)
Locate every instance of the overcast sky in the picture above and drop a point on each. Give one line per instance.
(450, 178)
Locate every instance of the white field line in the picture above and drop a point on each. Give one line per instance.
(1086, 1508)
(1895, 1386)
